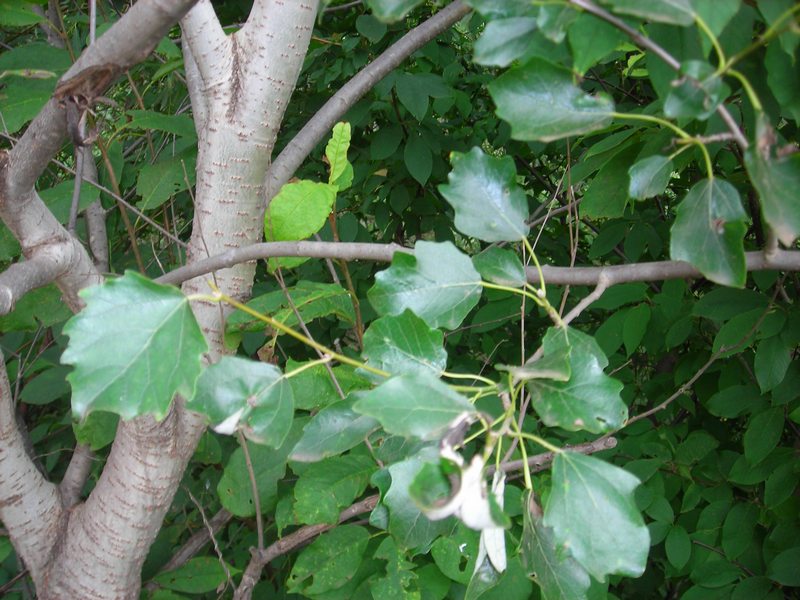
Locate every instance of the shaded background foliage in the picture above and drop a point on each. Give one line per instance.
(718, 466)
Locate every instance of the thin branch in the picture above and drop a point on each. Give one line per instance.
(288, 161)
(75, 477)
(22, 277)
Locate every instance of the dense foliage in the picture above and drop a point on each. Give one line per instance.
(525, 136)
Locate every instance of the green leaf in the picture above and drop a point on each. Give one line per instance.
(134, 346)
(763, 434)
(180, 125)
(236, 394)
(418, 158)
(783, 568)
(634, 327)
(721, 304)
(593, 514)
(709, 231)
(503, 41)
(391, 10)
(370, 28)
(487, 201)
(678, 546)
(14, 13)
(676, 12)
(329, 562)
(559, 576)
(540, 102)
(413, 405)
(159, 182)
(46, 386)
(96, 431)
(384, 142)
(780, 485)
(199, 575)
(607, 194)
(438, 283)
(336, 151)
(404, 344)
(773, 357)
(494, 9)
(333, 430)
(412, 94)
(590, 400)
(777, 180)
(313, 388)
(400, 582)
(326, 487)
(591, 39)
(739, 529)
(649, 177)
(299, 210)
(40, 307)
(697, 94)
(501, 266)
(716, 14)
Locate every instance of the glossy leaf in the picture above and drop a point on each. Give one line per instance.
(413, 405)
(438, 283)
(487, 201)
(236, 394)
(708, 232)
(157, 346)
(404, 344)
(501, 266)
(299, 210)
(676, 12)
(329, 562)
(333, 430)
(591, 39)
(593, 515)
(649, 177)
(590, 400)
(540, 102)
(503, 41)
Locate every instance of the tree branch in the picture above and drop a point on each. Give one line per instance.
(22, 277)
(288, 161)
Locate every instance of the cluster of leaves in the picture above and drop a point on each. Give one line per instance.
(453, 158)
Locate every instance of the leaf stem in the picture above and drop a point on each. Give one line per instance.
(480, 378)
(537, 440)
(313, 363)
(703, 26)
(748, 89)
(763, 39)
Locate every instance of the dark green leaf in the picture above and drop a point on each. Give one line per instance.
(677, 12)
(722, 304)
(649, 177)
(739, 529)
(418, 159)
(501, 266)
(438, 283)
(783, 568)
(370, 28)
(678, 546)
(592, 39)
(503, 41)
(326, 487)
(502, 8)
(709, 231)
(391, 10)
(772, 360)
(763, 434)
(197, 576)
(593, 514)
(96, 431)
(333, 430)
(384, 142)
(541, 102)
(634, 327)
(236, 394)
(590, 400)
(607, 194)
(329, 562)
(697, 93)
(487, 201)
(412, 94)
(157, 348)
(180, 125)
(159, 182)
(780, 486)
(413, 405)
(404, 344)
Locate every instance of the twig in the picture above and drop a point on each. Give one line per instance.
(254, 490)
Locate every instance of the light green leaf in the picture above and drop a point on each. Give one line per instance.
(336, 151)
(333, 430)
(400, 582)
(649, 177)
(593, 514)
(159, 182)
(709, 231)
(199, 575)
(404, 344)
(503, 41)
(438, 283)
(590, 400)
(559, 576)
(413, 405)
(236, 394)
(488, 203)
(134, 346)
(418, 158)
(329, 562)
(676, 12)
(501, 266)
(391, 10)
(14, 13)
(97, 430)
(299, 210)
(777, 181)
(763, 434)
(540, 102)
(328, 486)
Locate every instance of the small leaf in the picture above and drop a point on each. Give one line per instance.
(593, 514)
(255, 394)
(197, 576)
(412, 94)
(783, 568)
(697, 94)
(326, 487)
(676, 12)
(336, 151)
(180, 125)
(649, 177)
(678, 546)
(590, 400)
(773, 357)
(391, 10)
(540, 102)
(500, 266)
(134, 346)
(333, 430)
(591, 39)
(503, 41)
(18, 14)
(329, 562)
(763, 434)
(418, 159)
(777, 181)
(413, 405)
(404, 344)
(438, 283)
(709, 231)
(299, 210)
(634, 327)
(487, 201)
